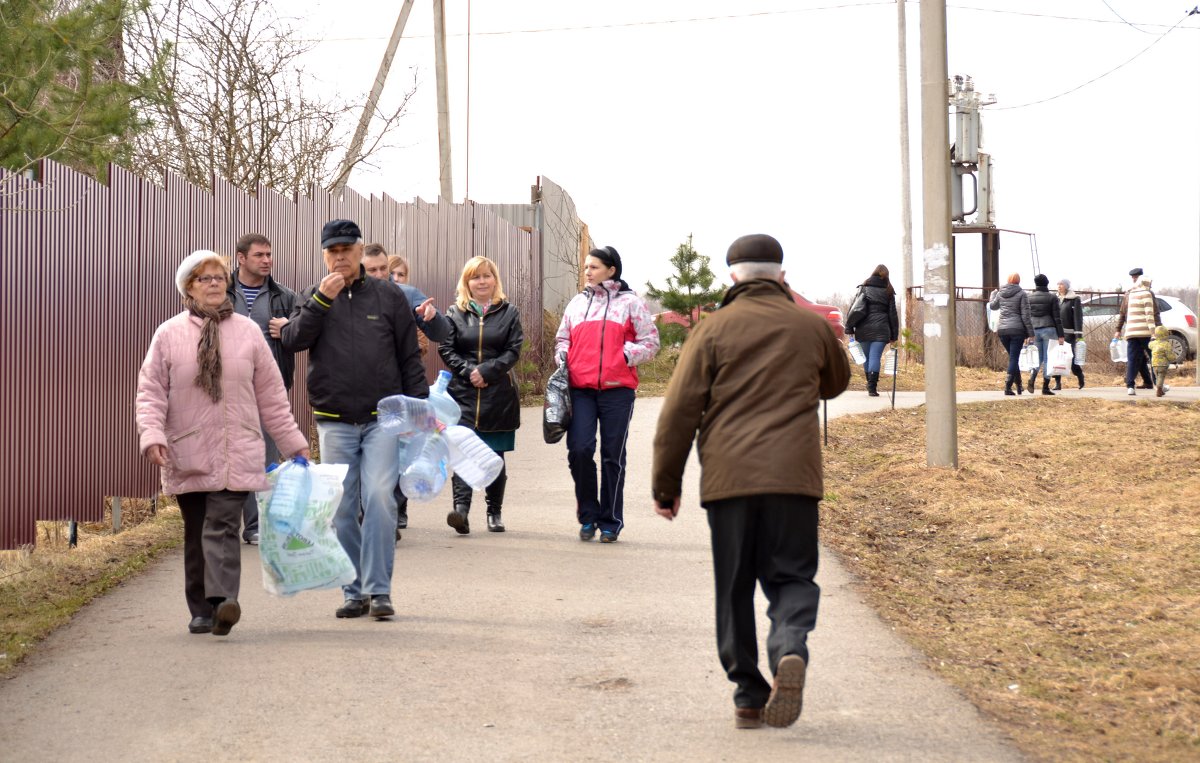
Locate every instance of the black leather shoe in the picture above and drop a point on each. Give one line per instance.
(494, 523)
(458, 519)
(381, 606)
(225, 616)
(200, 625)
(351, 608)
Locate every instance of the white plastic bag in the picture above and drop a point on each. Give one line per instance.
(310, 557)
(993, 319)
(1029, 358)
(1059, 359)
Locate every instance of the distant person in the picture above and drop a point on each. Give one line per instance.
(1162, 355)
(1072, 323)
(878, 326)
(482, 350)
(207, 373)
(1015, 328)
(433, 327)
(605, 333)
(1046, 315)
(761, 474)
(362, 347)
(255, 294)
(1138, 316)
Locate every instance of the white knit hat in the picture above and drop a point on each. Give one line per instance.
(189, 264)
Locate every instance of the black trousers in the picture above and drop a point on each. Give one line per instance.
(212, 552)
(770, 540)
(1137, 361)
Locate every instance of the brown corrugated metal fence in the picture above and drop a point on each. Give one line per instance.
(87, 271)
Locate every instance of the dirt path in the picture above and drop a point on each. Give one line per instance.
(524, 646)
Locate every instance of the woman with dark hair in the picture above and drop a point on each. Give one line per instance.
(1071, 310)
(878, 325)
(1046, 314)
(482, 349)
(1015, 327)
(606, 331)
(207, 380)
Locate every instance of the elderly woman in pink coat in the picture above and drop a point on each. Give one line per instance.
(207, 381)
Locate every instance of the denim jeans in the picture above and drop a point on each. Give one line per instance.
(1044, 336)
(1013, 343)
(873, 351)
(611, 409)
(373, 457)
(1137, 358)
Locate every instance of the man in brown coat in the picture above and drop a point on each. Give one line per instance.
(749, 380)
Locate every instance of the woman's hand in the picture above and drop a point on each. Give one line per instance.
(157, 455)
(477, 379)
(1061, 340)
(303, 453)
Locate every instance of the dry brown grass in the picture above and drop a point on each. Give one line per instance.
(1054, 577)
(41, 588)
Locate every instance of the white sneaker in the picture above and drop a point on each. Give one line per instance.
(1130, 391)
(1166, 388)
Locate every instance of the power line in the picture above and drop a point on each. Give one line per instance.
(1139, 54)
(1131, 25)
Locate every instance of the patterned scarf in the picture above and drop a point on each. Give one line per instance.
(208, 351)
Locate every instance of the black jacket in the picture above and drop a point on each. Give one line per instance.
(1071, 314)
(881, 322)
(492, 344)
(1044, 311)
(282, 301)
(362, 347)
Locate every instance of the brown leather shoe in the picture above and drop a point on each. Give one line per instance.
(748, 717)
(787, 695)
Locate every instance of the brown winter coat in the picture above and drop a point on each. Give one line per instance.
(750, 379)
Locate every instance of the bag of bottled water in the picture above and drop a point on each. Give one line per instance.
(309, 556)
(471, 459)
(447, 409)
(289, 497)
(403, 416)
(424, 478)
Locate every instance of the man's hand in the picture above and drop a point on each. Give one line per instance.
(332, 285)
(668, 513)
(426, 310)
(477, 378)
(303, 453)
(157, 454)
(275, 326)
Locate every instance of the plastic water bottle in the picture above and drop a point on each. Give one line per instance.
(402, 415)
(447, 409)
(1080, 352)
(472, 460)
(857, 353)
(289, 498)
(1115, 351)
(410, 447)
(424, 478)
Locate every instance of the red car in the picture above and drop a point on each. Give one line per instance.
(828, 312)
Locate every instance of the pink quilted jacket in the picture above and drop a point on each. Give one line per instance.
(213, 446)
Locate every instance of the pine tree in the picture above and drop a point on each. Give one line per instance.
(689, 292)
(61, 92)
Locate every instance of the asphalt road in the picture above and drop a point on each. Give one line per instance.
(527, 645)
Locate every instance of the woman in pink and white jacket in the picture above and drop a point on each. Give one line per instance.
(606, 332)
(207, 381)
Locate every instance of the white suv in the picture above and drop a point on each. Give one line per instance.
(1100, 315)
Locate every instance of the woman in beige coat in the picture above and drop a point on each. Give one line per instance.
(207, 381)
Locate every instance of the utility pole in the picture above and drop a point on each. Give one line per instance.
(360, 133)
(443, 99)
(905, 181)
(941, 415)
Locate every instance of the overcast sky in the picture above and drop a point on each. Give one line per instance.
(664, 118)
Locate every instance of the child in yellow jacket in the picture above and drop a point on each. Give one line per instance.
(1161, 357)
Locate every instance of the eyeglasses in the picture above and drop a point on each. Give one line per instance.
(206, 280)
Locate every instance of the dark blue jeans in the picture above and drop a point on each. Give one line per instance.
(611, 410)
(1013, 343)
(1137, 356)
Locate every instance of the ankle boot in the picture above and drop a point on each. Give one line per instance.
(462, 507)
(1020, 384)
(1008, 385)
(495, 499)
(1079, 376)
(873, 384)
(1032, 378)
(1057, 383)
(1046, 386)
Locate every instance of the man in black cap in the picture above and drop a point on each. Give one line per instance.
(1139, 315)
(754, 404)
(362, 343)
